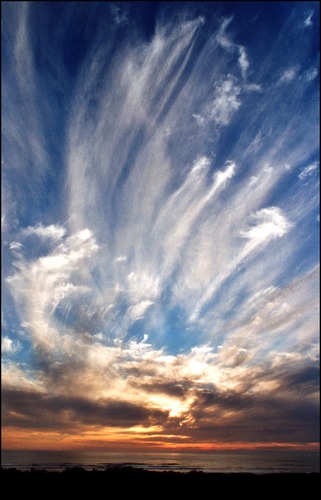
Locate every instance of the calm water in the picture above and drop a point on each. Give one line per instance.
(258, 462)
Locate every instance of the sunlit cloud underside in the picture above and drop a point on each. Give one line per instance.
(160, 226)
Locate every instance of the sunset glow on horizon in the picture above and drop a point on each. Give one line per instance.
(131, 440)
(160, 226)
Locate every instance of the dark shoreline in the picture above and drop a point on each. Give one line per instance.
(129, 478)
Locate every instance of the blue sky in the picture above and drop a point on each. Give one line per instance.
(160, 223)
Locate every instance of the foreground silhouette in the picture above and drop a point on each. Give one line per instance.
(127, 480)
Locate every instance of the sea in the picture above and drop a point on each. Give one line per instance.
(218, 462)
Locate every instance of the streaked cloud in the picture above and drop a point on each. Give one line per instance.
(289, 75)
(226, 42)
(120, 16)
(243, 61)
(8, 346)
(308, 170)
(311, 74)
(226, 101)
(39, 286)
(267, 223)
(53, 232)
(160, 231)
(15, 245)
(308, 20)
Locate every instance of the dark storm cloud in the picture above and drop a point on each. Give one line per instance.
(35, 410)
(258, 417)
(307, 380)
(178, 389)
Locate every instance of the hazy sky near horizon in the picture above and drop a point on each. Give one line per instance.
(160, 224)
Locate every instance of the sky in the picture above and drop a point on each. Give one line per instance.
(160, 225)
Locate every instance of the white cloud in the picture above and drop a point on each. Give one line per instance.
(119, 15)
(178, 217)
(3, 223)
(216, 242)
(222, 38)
(308, 20)
(15, 245)
(20, 91)
(308, 170)
(139, 83)
(220, 178)
(289, 75)
(226, 101)
(8, 346)
(52, 232)
(253, 87)
(121, 258)
(15, 376)
(137, 311)
(282, 314)
(227, 44)
(143, 286)
(243, 61)
(199, 119)
(311, 74)
(39, 286)
(267, 223)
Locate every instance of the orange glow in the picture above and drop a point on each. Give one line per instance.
(134, 439)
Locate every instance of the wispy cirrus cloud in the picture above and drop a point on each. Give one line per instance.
(225, 41)
(289, 75)
(179, 298)
(308, 20)
(308, 170)
(8, 346)
(53, 232)
(119, 15)
(226, 101)
(40, 285)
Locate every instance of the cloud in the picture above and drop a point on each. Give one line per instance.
(222, 39)
(142, 286)
(243, 61)
(308, 20)
(8, 346)
(119, 15)
(253, 87)
(289, 75)
(121, 258)
(53, 232)
(306, 379)
(20, 88)
(266, 412)
(267, 223)
(227, 44)
(15, 246)
(193, 389)
(40, 286)
(179, 302)
(226, 101)
(189, 203)
(308, 170)
(311, 74)
(136, 312)
(36, 410)
(199, 119)
(275, 312)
